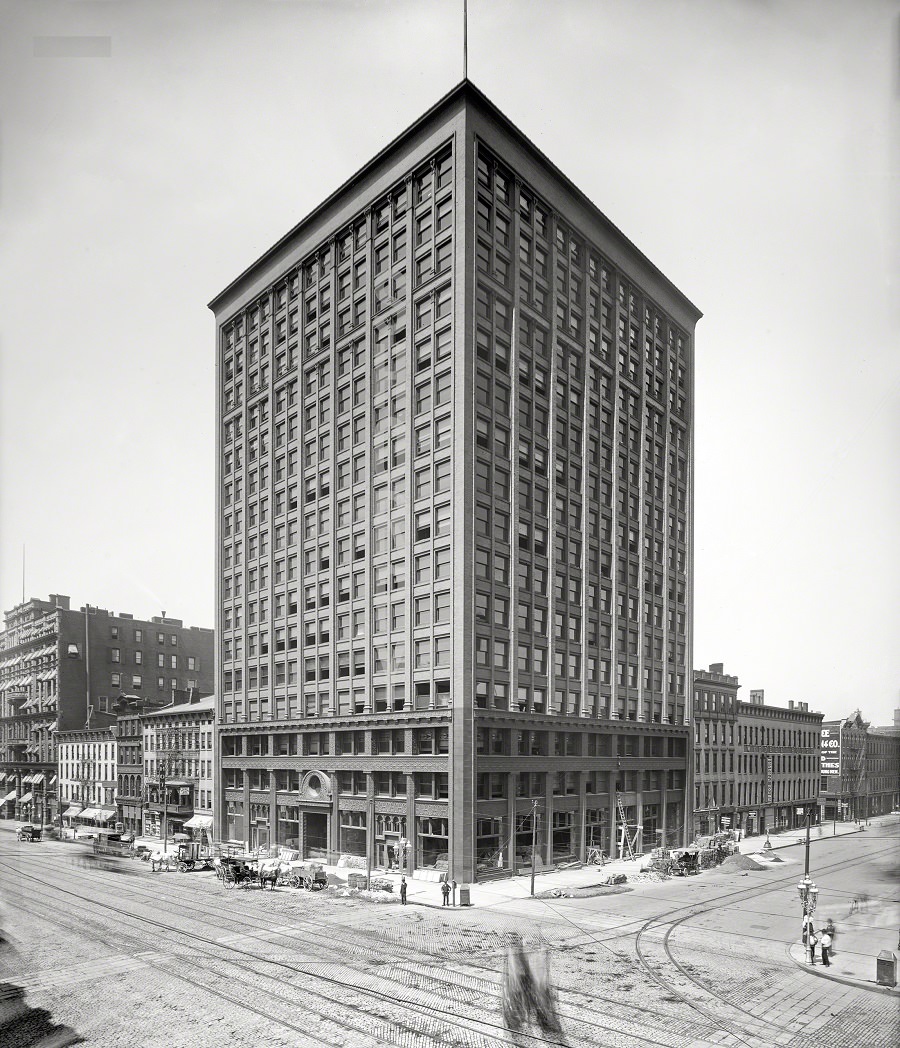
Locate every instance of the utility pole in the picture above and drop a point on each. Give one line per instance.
(168, 763)
(808, 817)
(533, 839)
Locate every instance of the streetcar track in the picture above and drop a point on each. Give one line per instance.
(674, 922)
(373, 985)
(352, 1021)
(627, 928)
(418, 958)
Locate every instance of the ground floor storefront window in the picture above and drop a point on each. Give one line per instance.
(488, 852)
(234, 821)
(259, 826)
(288, 832)
(433, 844)
(563, 835)
(526, 834)
(353, 833)
(596, 831)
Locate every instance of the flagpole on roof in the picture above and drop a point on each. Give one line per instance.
(465, 47)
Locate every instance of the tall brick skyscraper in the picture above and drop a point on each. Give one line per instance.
(454, 517)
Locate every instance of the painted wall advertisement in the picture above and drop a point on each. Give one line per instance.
(831, 751)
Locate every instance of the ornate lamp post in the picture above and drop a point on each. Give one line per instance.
(809, 895)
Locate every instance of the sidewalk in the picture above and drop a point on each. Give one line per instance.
(852, 969)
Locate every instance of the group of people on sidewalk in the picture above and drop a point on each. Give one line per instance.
(824, 940)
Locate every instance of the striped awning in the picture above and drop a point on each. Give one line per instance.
(89, 813)
(25, 798)
(9, 797)
(71, 811)
(199, 822)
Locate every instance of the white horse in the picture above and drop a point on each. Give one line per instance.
(163, 860)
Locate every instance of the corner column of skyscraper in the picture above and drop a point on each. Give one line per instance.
(454, 519)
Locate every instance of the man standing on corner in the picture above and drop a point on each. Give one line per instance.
(445, 891)
(825, 943)
(402, 891)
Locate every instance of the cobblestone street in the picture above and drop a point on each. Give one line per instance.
(129, 957)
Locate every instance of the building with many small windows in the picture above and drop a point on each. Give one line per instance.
(179, 767)
(87, 777)
(454, 518)
(860, 769)
(62, 669)
(756, 767)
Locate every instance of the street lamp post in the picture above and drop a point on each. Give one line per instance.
(809, 895)
(808, 814)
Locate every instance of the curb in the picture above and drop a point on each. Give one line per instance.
(817, 970)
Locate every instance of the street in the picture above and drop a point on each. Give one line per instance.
(126, 956)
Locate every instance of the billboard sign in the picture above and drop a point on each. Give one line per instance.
(830, 760)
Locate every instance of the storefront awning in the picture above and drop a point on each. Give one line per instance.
(37, 778)
(10, 796)
(71, 811)
(26, 778)
(52, 781)
(25, 797)
(104, 815)
(89, 813)
(199, 822)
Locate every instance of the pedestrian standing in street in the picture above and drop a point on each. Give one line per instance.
(813, 942)
(832, 931)
(445, 891)
(826, 946)
(402, 891)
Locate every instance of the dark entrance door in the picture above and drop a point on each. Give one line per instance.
(315, 834)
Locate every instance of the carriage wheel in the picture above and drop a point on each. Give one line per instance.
(295, 881)
(183, 867)
(229, 882)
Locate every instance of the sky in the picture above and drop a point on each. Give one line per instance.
(748, 147)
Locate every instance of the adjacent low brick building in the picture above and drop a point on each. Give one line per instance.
(62, 669)
(756, 767)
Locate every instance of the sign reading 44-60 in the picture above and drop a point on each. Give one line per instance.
(831, 751)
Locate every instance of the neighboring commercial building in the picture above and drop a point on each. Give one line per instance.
(130, 712)
(756, 767)
(715, 737)
(778, 769)
(860, 769)
(60, 669)
(87, 778)
(178, 767)
(454, 560)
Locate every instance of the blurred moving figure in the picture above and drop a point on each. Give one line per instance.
(528, 994)
(20, 1025)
